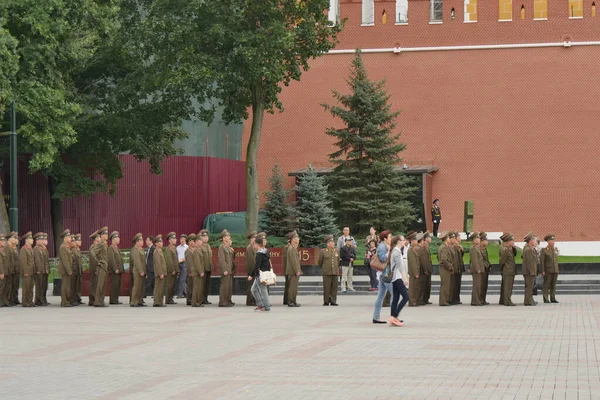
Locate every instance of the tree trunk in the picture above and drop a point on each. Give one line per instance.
(55, 214)
(4, 221)
(252, 198)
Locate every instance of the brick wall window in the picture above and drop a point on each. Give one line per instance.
(368, 12)
(505, 10)
(470, 10)
(334, 11)
(436, 10)
(401, 11)
(540, 9)
(594, 9)
(575, 8)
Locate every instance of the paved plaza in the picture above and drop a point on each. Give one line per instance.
(547, 352)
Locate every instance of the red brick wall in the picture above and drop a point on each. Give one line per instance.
(516, 131)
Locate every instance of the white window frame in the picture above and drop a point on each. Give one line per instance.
(334, 12)
(433, 13)
(368, 12)
(401, 12)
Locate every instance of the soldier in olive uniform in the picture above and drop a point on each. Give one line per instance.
(100, 253)
(38, 262)
(414, 269)
(13, 242)
(172, 266)
(160, 272)
(487, 267)
(250, 264)
(65, 268)
(329, 261)
(27, 268)
(137, 265)
(293, 270)
(459, 253)
(197, 269)
(286, 288)
(427, 269)
(3, 272)
(93, 268)
(445, 260)
(226, 269)
(46, 269)
(530, 262)
(191, 261)
(6, 296)
(477, 269)
(549, 267)
(508, 268)
(115, 267)
(77, 278)
(206, 253)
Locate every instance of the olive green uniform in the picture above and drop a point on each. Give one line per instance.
(477, 270)
(45, 274)
(487, 267)
(93, 270)
(508, 269)
(329, 261)
(445, 261)
(27, 267)
(426, 272)
(100, 253)
(530, 262)
(292, 269)
(190, 260)
(160, 268)
(137, 261)
(14, 297)
(459, 268)
(286, 288)
(226, 264)
(197, 269)
(77, 278)
(65, 269)
(250, 262)
(3, 279)
(172, 271)
(206, 254)
(414, 270)
(115, 270)
(38, 262)
(549, 265)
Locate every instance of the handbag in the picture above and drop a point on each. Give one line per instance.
(387, 274)
(376, 263)
(268, 278)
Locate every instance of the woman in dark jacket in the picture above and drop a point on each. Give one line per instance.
(263, 263)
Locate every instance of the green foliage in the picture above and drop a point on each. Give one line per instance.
(278, 212)
(367, 188)
(313, 209)
(8, 64)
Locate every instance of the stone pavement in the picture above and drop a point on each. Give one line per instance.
(547, 352)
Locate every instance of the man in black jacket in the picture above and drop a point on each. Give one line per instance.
(347, 257)
(149, 266)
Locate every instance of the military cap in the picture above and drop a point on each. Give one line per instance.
(103, 231)
(507, 237)
(451, 235)
(292, 235)
(94, 235)
(171, 235)
(137, 237)
(114, 235)
(483, 236)
(384, 234)
(328, 238)
(261, 234)
(224, 234)
(474, 235)
(426, 234)
(157, 238)
(436, 200)
(251, 235)
(411, 235)
(38, 236)
(192, 237)
(348, 239)
(529, 236)
(65, 233)
(13, 234)
(549, 237)
(203, 232)
(77, 236)
(443, 235)
(420, 236)
(27, 235)
(183, 235)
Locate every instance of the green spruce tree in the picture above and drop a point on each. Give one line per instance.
(315, 214)
(279, 214)
(368, 186)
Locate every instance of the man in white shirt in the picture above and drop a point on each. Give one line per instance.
(348, 273)
(182, 266)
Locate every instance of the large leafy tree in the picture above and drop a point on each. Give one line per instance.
(82, 95)
(279, 213)
(238, 52)
(368, 188)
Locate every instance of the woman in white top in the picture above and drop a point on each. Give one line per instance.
(399, 279)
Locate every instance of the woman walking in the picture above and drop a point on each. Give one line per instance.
(382, 252)
(399, 279)
(263, 263)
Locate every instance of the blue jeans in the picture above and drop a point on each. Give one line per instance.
(261, 295)
(383, 289)
(182, 279)
(399, 290)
